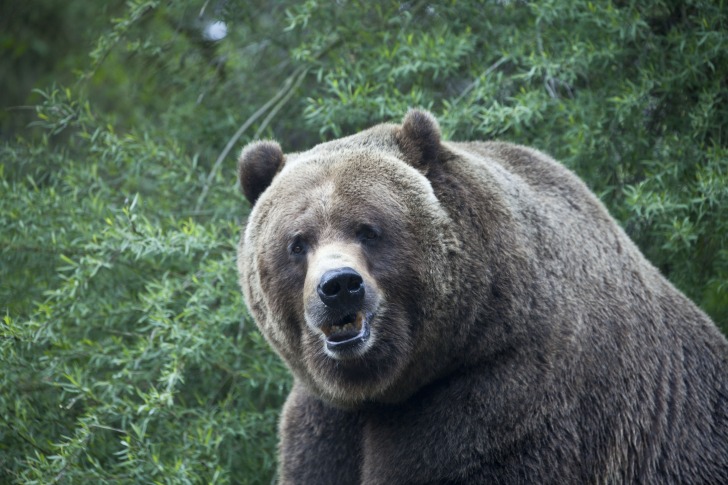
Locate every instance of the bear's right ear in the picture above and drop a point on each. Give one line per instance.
(258, 163)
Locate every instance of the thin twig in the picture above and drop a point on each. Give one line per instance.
(477, 80)
(289, 86)
(278, 107)
(25, 438)
(231, 143)
(108, 428)
(202, 10)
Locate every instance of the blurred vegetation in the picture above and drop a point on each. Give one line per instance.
(128, 355)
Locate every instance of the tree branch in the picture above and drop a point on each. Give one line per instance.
(285, 89)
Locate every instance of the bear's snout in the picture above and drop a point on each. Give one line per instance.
(341, 299)
(342, 289)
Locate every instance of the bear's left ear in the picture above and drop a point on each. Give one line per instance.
(419, 139)
(259, 162)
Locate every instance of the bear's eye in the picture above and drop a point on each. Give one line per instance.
(367, 233)
(297, 247)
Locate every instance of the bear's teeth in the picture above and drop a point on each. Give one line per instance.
(345, 328)
(353, 326)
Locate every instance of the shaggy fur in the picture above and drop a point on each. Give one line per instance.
(516, 334)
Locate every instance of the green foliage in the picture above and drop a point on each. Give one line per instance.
(39, 44)
(128, 355)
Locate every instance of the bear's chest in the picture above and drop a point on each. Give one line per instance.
(437, 448)
(461, 435)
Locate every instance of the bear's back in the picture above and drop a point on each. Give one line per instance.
(653, 361)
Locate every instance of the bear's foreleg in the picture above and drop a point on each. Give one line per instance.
(318, 443)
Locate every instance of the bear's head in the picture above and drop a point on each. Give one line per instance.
(345, 260)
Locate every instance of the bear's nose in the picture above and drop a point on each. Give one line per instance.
(342, 289)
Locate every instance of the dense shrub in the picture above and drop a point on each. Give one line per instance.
(128, 355)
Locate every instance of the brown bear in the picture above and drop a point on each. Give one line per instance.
(470, 313)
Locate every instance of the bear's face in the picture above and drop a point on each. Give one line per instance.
(342, 262)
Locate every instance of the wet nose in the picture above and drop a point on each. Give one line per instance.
(341, 289)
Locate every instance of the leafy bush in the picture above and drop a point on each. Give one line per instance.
(128, 355)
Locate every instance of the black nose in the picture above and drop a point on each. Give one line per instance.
(342, 289)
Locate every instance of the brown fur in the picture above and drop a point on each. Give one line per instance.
(519, 336)
(264, 162)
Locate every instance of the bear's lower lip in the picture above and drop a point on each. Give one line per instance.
(348, 334)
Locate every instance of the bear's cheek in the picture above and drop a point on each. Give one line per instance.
(281, 283)
(399, 266)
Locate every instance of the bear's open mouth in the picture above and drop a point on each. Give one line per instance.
(346, 328)
(347, 332)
